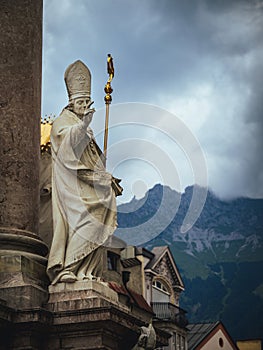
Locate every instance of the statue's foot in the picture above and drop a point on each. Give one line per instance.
(68, 277)
(90, 278)
(83, 277)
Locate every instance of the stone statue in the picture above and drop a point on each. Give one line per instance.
(147, 339)
(83, 192)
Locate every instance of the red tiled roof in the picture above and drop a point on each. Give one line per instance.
(140, 301)
(118, 288)
(136, 298)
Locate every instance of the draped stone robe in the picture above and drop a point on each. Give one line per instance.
(83, 201)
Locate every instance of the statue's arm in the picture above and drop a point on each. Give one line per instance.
(78, 133)
(82, 131)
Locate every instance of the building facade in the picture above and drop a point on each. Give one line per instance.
(161, 287)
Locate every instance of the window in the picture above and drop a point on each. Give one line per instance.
(177, 343)
(160, 292)
(182, 343)
(112, 261)
(221, 342)
(174, 342)
(160, 285)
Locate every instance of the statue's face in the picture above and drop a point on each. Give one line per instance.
(81, 105)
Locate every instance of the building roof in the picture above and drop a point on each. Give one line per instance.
(159, 253)
(200, 332)
(197, 332)
(136, 298)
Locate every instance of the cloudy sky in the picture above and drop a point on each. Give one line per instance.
(188, 92)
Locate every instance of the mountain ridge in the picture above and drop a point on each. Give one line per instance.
(225, 242)
(220, 222)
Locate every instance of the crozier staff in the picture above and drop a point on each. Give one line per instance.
(83, 198)
(108, 89)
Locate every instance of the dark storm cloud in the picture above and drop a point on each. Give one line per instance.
(200, 58)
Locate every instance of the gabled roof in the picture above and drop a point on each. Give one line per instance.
(198, 333)
(159, 253)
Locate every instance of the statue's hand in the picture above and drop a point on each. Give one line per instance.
(88, 117)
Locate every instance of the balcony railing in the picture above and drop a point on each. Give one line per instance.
(170, 312)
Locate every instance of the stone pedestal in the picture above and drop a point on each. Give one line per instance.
(22, 283)
(80, 295)
(88, 315)
(82, 315)
(23, 279)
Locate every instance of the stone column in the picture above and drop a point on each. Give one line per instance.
(22, 252)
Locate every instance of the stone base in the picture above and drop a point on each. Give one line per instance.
(23, 282)
(88, 315)
(90, 287)
(24, 329)
(82, 315)
(81, 295)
